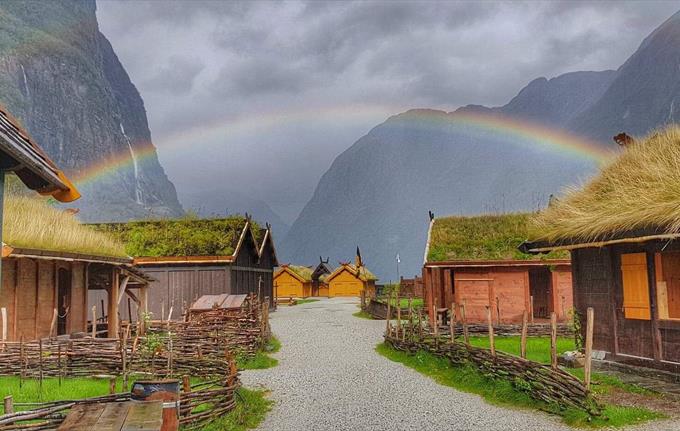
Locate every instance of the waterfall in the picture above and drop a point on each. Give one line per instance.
(23, 72)
(135, 166)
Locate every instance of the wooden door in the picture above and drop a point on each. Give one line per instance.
(63, 299)
(635, 286)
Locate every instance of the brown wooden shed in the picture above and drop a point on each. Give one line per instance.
(622, 230)
(474, 261)
(189, 258)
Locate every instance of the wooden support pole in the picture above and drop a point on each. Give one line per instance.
(21, 361)
(94, 321)
(8, 404)
(553, 340)
(59, 362)
(388, 316)
(3, 312)
(397, 304)
(452, 321)
(435, 323)
(112, 385)
(466, 336)
(531, 308)
(40, 363)
(410, 315)
(53, 323)
(112, 317)
(523, 341)
(492, 345)
(123, 356)
(498, 310)
(590, 323)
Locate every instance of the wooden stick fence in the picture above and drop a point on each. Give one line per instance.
(542, 382)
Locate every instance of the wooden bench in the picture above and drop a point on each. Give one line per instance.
(122, 416)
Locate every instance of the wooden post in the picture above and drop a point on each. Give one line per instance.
(466, 336)
(398, 303)
(435, 323)
(186, 384)
(498, 310)
(112, 318)
(162, 310)
(3, 311)
(590, 323)
(8, 404)
(410, 315)
(94, 321)
(452, 322)
(59, 362)
(170, 354)
(531, 308)
(53, 324)
(553, 340)
(523, 342)
(40, 363)
(21, 361)
(492, 345)
(388, 328)
(123, 356)
(112, 385)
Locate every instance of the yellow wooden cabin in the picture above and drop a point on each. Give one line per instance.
(293, 281)
(349, 280)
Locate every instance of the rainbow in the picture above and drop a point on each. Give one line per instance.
(503, 127)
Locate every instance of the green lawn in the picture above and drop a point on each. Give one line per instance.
(361, 314)
(403, 302)
(251, 409)
(303, 301)
(538, 348)
(501, 392)
(261, 360)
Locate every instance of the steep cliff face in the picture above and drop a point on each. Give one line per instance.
(61, 78)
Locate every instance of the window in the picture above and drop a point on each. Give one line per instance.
(635, 286)
(668, 284)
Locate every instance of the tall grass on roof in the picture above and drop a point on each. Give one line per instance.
(484, 237)
(188, 236)
(640, 190)
(30, 222)
(303, 272)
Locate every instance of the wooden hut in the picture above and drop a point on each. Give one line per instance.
(294, 281)
(190, 258)
(622, 230)
(350, 280)
(51, 265)
(474, 261)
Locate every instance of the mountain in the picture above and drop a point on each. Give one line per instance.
(221, 202)
(643, 94)
(377, 193)
(63, 81)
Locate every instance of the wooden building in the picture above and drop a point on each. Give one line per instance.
(350, 280)
(294, 281)
(474, 261)
(622, 230)
(190, 258)
(50, 262)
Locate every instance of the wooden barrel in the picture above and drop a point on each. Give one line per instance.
(166, 391)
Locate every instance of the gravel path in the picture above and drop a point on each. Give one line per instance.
(330, 378)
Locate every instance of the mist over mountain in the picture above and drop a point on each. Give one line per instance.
(61, 78)
(377, 193)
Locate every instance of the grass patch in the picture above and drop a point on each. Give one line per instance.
(71, 388)
(538, 348)
(261, 360)
(304, 301)
(403, 302)
(251, 409)
(499, 392)
(361, 314)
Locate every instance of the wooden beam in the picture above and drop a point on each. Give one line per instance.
(113, 304)
(123, 287)
(654, 312)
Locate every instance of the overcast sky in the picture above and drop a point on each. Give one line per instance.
(262, 96)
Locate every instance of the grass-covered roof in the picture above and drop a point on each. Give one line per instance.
(485, 237)
(32, 223)
(189, 236)
(303, 272)
(638, 191)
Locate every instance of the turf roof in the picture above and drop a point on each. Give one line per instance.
(303, 272)
(638, 191)
(189, 236)
(32, 223)
(485, 237)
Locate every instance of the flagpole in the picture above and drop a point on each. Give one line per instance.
(398, 274)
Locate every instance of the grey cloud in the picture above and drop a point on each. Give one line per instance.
(176, 76)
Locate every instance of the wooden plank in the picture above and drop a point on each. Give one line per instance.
(590, 323)
(82, 417)
(144, 416)
(113, 416)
